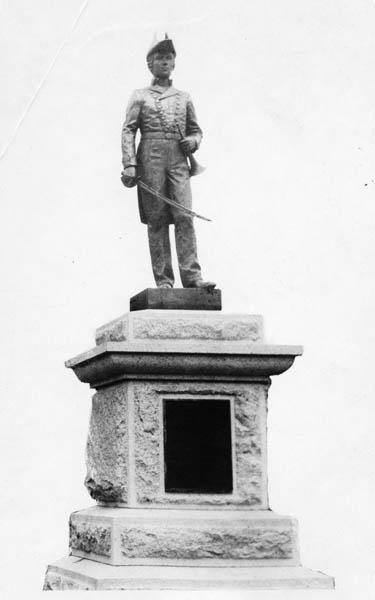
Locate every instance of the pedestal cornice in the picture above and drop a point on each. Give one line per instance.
(113, 361)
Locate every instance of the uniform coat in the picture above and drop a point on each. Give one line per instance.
(159, 159)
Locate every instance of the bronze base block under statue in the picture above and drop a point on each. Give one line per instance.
(177, 459)
(177, 299)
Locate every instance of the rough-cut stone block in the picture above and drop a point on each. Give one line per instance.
(127, 431)
(176, 536)
(236, 542)
(249, 442)
(92, 537)
(132, 412)
(186, 325)
(76, 574)
(107, 446)
(177, 299)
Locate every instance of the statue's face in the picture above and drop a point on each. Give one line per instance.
(162, 64)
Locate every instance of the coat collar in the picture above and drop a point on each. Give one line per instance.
(164, 92)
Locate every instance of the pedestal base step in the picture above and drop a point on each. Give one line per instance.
(197, 538)
(72, 573)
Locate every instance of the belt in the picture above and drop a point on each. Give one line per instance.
(160, 135)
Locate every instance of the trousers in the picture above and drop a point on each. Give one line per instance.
(163, 166)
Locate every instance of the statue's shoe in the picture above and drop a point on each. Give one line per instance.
(165, 285)
(199, 283)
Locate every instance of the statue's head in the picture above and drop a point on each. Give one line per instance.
(161, 57)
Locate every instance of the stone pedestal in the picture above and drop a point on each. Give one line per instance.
(177, 459)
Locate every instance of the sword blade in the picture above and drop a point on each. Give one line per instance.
(157, 194)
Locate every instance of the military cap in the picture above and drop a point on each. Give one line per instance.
(164, 45)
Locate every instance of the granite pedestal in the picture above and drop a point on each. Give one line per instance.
(177, 459)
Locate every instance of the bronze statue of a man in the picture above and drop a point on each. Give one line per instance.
(169, 131)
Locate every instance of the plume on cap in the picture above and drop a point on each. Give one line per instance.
(161, 45)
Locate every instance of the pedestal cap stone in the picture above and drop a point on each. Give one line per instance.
(184, 326)
(181, 343)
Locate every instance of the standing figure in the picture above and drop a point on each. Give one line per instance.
(169, 131)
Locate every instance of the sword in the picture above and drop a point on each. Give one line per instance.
(157, 194)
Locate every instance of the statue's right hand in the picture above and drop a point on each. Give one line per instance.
(129, 176)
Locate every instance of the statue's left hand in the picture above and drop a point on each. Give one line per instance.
(188, 145)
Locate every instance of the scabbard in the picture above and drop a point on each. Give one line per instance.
(169, 201)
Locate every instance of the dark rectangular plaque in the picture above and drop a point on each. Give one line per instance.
(198, 446)
(177, 299)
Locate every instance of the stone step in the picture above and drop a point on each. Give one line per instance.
(72, 573)
(151, 536)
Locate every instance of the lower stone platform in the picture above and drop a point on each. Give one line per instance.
(177, 299)
(183, 537)
(73, 573)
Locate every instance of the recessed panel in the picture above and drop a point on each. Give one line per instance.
(198, 446)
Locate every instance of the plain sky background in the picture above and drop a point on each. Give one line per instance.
(285, 95)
